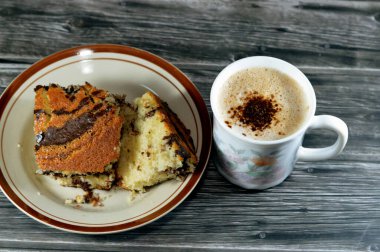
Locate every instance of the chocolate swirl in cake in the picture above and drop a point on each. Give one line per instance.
(71, 130)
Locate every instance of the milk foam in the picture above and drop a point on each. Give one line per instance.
(268, 83)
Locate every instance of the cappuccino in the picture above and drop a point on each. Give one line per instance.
(263, 104)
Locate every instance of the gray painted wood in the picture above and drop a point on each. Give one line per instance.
(323, 206)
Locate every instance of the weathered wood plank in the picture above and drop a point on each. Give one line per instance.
(269, 220)
(326, 33)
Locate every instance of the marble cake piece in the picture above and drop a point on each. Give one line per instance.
(156, 146)
(78, 132)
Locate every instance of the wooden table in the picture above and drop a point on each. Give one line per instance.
(323, 206)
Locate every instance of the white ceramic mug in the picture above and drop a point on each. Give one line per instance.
(254, 164)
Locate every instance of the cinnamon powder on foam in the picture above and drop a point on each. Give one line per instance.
(262, 103)
(257, 112)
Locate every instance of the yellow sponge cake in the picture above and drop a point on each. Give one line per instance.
(155, 146)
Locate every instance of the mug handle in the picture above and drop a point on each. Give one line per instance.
(325, 122)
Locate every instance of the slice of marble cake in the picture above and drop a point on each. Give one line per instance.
(78, 132)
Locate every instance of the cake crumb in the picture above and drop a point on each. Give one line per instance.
(69, 201)
(79, 199)
(77, 206)
(89, 197)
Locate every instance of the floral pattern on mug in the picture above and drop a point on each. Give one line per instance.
(249, 166)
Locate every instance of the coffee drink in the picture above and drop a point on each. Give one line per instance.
(262, 108)
(263, 104)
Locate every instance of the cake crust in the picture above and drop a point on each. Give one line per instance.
(178, 136)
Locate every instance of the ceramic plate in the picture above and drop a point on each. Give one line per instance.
(120, 70)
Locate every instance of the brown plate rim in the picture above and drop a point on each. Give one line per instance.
(162, 63)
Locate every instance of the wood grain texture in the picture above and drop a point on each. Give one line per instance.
(323, 206)
(323, 33)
